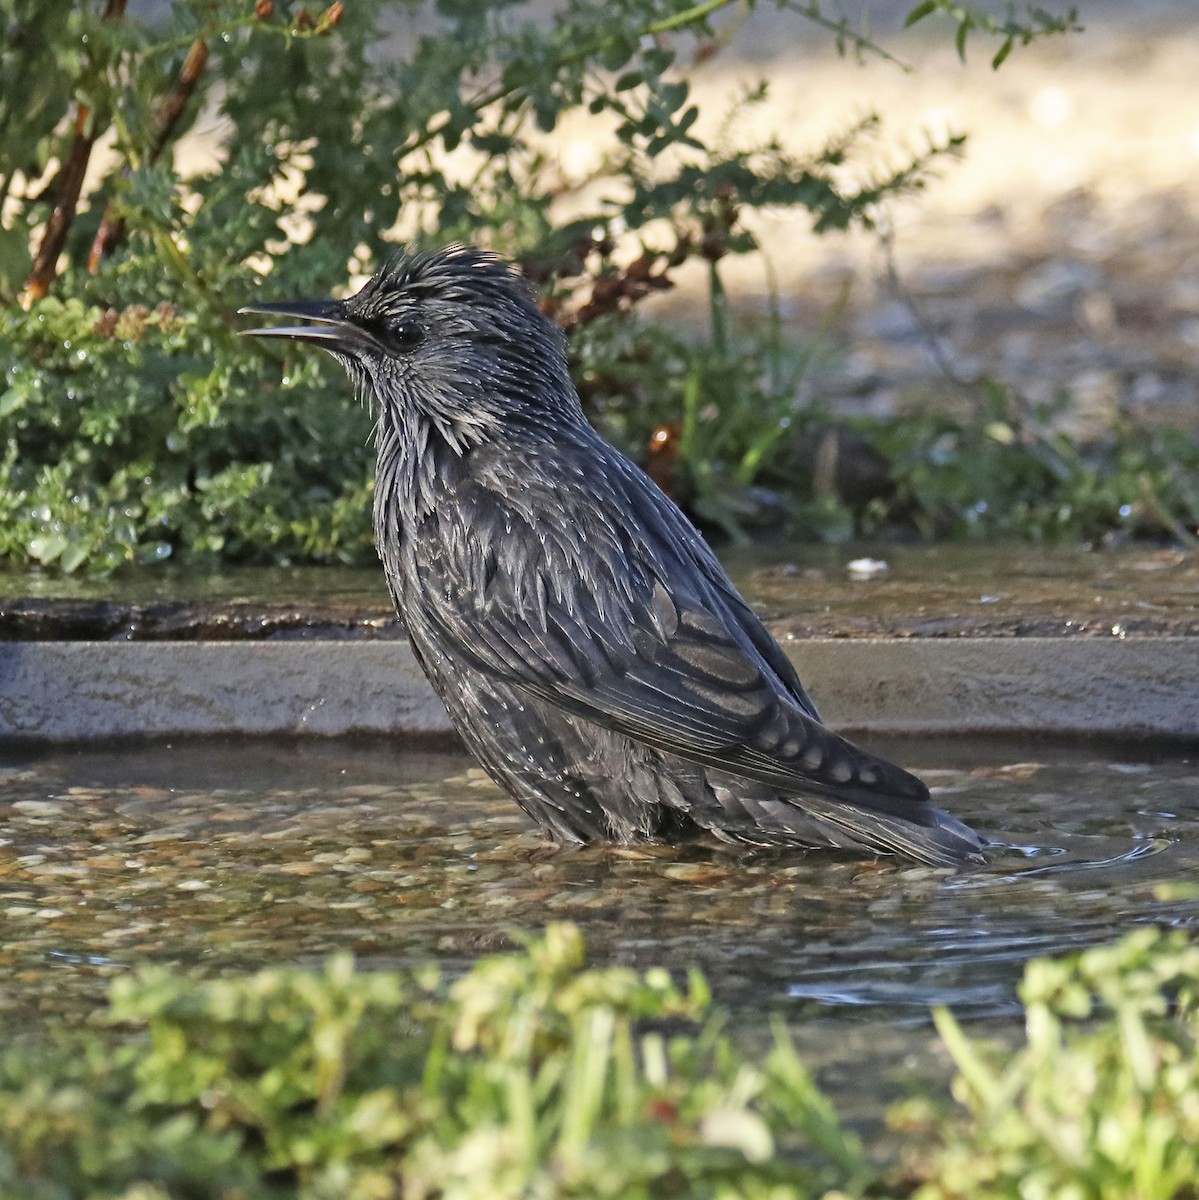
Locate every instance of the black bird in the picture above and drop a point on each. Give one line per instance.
(589, 647)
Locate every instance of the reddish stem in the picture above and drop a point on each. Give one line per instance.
(112, 227)
(70, 182)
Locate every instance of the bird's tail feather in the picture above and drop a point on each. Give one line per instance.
(740, 810)
(943, 842)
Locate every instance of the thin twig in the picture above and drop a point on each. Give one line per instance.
(860, 41)
(1152, 503)
(70, 182)
(499, 92)
(896, 286)
(45, 264)
(112, 227)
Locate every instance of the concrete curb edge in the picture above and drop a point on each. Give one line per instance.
(69, 691)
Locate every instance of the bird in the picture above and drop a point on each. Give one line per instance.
(589, 647)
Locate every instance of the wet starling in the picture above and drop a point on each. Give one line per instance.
(589, 647)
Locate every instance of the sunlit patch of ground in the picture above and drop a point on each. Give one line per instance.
(1059, 253)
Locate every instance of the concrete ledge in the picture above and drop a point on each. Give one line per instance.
(66, 691)
(61, 691)
(1131, 687)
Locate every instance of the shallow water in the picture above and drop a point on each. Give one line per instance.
(231, 855)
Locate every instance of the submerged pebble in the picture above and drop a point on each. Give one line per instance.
(267, 853)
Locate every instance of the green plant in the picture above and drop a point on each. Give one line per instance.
(1005, 470)
(137, 427)
(536, 1076)
(714, 416)
(531, 1076)
(1102, 1101)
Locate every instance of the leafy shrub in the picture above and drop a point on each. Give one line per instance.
(1102, 1101)
(1006, 470)
(535, 1076)
(137, 427)
(532, 1076)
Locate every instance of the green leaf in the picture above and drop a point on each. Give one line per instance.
(658, 59)
(674, 95)
(47, 547)
(617, 51)
(74, 556)
(919, 13)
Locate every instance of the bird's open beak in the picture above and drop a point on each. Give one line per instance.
(324, 322)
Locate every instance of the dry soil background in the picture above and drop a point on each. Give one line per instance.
(1061, 252)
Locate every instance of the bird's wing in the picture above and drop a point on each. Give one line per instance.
(596, 624)
(749, 625)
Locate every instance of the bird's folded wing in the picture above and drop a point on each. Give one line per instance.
(662, 668)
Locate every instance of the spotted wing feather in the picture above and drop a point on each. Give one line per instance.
(616, 637)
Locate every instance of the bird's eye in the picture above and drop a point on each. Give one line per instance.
(406, 335)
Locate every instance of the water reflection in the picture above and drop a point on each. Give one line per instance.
(232, 855)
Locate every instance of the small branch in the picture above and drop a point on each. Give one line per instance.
(622, 290)
(500, 92)
(932, 341)
(680, 20)
(112, 227)
(37, 286)
(176, 101)
(687, 17)
(1037, 25)
(303, 28)
(70, 183)
(860, 42)
(1151, 502)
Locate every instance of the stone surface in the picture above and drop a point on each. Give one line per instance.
(975, 637)
(58, 691)
(803, 591)
(64, 691)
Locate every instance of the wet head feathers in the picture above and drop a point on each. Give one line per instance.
(463, 345)
(455, 275)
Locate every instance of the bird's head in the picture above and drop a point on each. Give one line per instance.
(452, 337)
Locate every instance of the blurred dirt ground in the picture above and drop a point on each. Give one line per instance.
(1061, 253)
